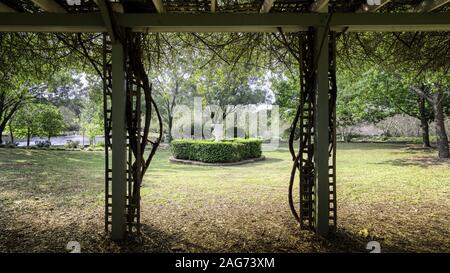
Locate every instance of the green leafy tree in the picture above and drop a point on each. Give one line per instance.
(359, 100)
(51, 121)
(172, 78)
(91, 118)
(287, 97)
(26, 122)
(231, 86)
(417, 60)
(30, 64)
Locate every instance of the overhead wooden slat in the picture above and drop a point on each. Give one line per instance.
(373, 8)
(5, 8)
(50, 6)
(270, 22)
(159, 6)
(430, 5)
(320, 6)
(213, 5)
(266, 6)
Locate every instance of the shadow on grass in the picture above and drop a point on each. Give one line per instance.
(176, 167)
(154, 240)
(369, 146)
(19, 235)
(419, 161)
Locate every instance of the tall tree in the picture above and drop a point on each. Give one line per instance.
(91, 118)
(418, 59)
(29, 63)
(51, 121)
(26, 122)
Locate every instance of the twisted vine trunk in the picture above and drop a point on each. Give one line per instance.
(138, 144)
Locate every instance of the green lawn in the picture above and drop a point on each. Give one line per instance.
(396, 194)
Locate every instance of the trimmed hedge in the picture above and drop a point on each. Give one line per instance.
(211, 152)
(251, 149)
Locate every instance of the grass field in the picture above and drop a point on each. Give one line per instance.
(398, 195)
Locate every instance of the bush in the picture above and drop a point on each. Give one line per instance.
(43, 144)
(210, 151)
(100, 144)
(251, 147)
(72, 144)
(9, 144)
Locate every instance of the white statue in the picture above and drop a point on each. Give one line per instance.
(218, 132)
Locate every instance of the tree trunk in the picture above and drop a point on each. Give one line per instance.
(11, 134)
(170, 123)
(442, 139)
(28, 136)
(1, 133)
(424, 125)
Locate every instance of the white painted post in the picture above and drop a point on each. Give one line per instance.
(118, 142)
(321, 133)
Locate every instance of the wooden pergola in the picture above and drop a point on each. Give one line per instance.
(320, 19)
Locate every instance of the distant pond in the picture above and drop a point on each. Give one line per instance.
(59, 140)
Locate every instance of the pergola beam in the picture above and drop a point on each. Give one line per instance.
(270, 22)
(266, 6)
(289, 22)
(320, 6)
(373, 8)
(430, 5)
(49, 6)
(159, 6)
(6, 8)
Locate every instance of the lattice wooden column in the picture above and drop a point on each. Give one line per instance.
(332, 132)
(128, 108)
(118, 141)
(321, 133)
(316, 157)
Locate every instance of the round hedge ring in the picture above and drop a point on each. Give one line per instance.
(215, 153)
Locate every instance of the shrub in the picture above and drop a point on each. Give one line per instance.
(100, 144)
(43, 144)
(251, 149)
(10, 144)
(210, 151)
(72, 144)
